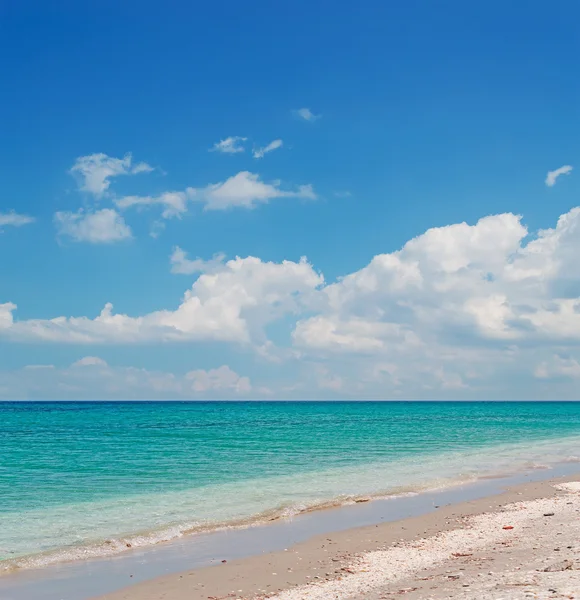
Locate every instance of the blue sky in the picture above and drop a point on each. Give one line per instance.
(133, 143)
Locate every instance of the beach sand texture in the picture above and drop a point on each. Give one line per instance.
(524, 543)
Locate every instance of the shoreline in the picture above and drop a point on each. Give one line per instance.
(118, 545)
(351, 563)
(101, 577)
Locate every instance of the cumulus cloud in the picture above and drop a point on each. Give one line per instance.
(182, 265)
(234, 304)
(448, 276)
(274, 145)
(306, 114)
(459, 299)
(13, 219)
(553, 175)
(103, 226)
(230, 145)
(94, 171)
(455, 310)
(244, 190)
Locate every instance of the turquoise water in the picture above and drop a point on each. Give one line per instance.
(88, 479)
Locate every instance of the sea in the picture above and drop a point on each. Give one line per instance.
(80, 480)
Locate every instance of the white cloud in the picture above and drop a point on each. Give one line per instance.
(230, 145)
(6, 319)
(92, 378)
(306, 114)
(342, 194)
(353, 335)
(247, 190)
(274, 145)
(90, 361)
(244, 190)
(14, 219)
(103, 226)
(234, 304)
(95, 171)
(221, 379)
(458, 311)
(553, 175)
(455, 300)
(174, 204)
(182, 265)
(437, 277)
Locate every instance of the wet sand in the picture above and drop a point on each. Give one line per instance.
(490, 548)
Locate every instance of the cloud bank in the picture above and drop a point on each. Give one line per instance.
(455, 309)
(91, 377)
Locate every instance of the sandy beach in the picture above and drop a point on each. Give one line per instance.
(522, 543)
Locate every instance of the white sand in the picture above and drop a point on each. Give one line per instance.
(478, 560)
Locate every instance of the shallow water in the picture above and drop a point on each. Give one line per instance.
(83, 580)
(79, 480)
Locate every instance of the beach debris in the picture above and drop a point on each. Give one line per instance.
(359, 500)
(549, 514)
(224, 560)
(508, 527)
(562, 565)
(458, 554)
